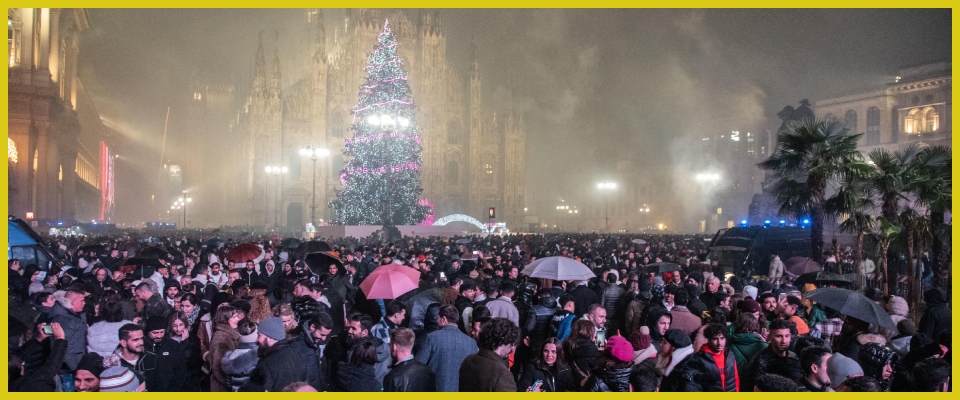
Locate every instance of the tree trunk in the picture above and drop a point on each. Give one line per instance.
(914, 270)
(857, 260)
(884, 247)
(936, 247)
(816, 234)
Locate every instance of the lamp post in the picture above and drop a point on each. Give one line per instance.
(606, 187)
(181, 204)
(562, 209)
(278, 171)
(314, 154)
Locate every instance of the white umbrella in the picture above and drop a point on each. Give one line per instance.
(558, 269)
(639, 241)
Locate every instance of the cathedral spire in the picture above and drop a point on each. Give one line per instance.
(321, 35)
(430, 20)
(275, 78)
(260, 70)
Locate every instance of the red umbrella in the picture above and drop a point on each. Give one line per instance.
(390, 281)
(244, 252)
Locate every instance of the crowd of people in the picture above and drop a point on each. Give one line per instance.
(199, 321)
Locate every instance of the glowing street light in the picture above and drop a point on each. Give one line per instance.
(314, 154)
(606, 186)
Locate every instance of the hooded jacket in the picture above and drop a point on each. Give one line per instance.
(937, 317)
(75, 331)
(673, 374)
(898, 308)
(538, 320)
(745, 346)
(279, 367)
(238, 364)
(311, 354)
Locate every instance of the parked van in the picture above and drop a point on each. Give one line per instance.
(748, 249)
(24, 244)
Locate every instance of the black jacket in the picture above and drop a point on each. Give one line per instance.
(42, 379)
(279, 367)
(702, 374)
(608, 380)
(583, 297)
(155, 306)
(583, 360)
(767, 362)
(937, 317)
(410, 376)
(538, 321)
(171, 366)
(351, 378)
(560, 380)
(312, 358)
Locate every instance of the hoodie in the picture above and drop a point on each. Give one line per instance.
(898, 308)
(937, 317)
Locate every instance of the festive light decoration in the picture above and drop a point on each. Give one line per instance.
(11, 150)
(499, 228)
(430, 217)
(381, 182)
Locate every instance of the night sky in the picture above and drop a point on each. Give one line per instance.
(596, 86)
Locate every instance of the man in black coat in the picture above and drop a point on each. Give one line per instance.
(279, 363)
(310, 345)
(937, 317)
(583, 297)
(407, 374)
(777, 357)
(171, 373)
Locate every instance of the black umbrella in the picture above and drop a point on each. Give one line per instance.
(158, 251)
(852, 304)
(140, 266)
(290, 243)
(661, 267)
(213, 242)
(320, 261)
(822, 279)
(313, 246)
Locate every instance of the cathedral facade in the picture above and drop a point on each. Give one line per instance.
(473, 158)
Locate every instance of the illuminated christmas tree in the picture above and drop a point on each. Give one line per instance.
(381, 182)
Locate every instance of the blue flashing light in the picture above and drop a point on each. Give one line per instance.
(766, 223)
(94, 222)
(743, 222)
(59, 223)
(783, 223)
(806, 221)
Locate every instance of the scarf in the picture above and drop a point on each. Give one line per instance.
(678, 356)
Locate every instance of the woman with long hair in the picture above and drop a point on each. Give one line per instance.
(580, 350)
(357, 373)
(225, 338)
(746, 340)
(550, 368)
(612, 373)
(102, 337)
(178, 329)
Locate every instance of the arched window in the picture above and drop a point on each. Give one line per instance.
(873, 126)
(454, 133)
(931, 120)
(453, 173)
(850, 120)
(337, 129)
(911, 124)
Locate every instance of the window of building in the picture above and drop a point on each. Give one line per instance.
(911, 124)
(454, 133)
(453, 173)
(337, 129)
(488, 169)
(931, 120)
(873, 126)
(850, 120)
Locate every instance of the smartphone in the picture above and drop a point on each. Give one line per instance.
(781, 297)
(535, 385)
(47, 330)
(443, 275)
(601, 339)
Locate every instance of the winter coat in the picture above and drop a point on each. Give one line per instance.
(898, 308)
(560, 324)
(352, 378)
(155, 307)
(703, 373)
(103, 337)
(444, 351)
(238, 364)
(279, 367)
(583, 297)
(485, 371)
(190, 350)
(312, 356)
(409, 376)
(34, 354)
(745, 346)
(75, 332)
(560, 380)
(632, 317)
(610, 301)
(684, 320)
(538, 321)
(171, 366)
(673, 375)
(608, 380)
(937, 317)
(224, 340)
(583, 359)
(767, 362)
(42, 379)
(503, 308)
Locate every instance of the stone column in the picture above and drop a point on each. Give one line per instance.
(55, 45)
(26, 45)
(43, 53)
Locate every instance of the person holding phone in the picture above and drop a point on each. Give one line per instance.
(548, 372)
(41, 379)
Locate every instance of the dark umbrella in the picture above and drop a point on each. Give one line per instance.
(214, 242)
(155, 251)
(290, 243)
(796, 266)
(142, 266)
(313, 246)
(244, 252)
(822, 279)
(661, 267)
(320, 261)
(853, 304)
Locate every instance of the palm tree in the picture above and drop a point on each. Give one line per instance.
(812, 155)
(933, 190)
(916, 225)
(886, 233)
(892, 177)
(852, 204)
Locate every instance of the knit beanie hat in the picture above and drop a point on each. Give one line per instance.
(640, 339)
(749, 306)
(619, 348)
(118, 379)
(764, 286)
(155, 323)
(907, 327)
(677, 338)
(272, 328)
(840, 367)
(251, 338)
(91, 362)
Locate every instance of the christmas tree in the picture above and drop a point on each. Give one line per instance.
(381, 182)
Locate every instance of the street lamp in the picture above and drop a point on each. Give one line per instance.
(278, 171)
(314, 154)
(606, 187)
(563, 210)
(181, 203)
